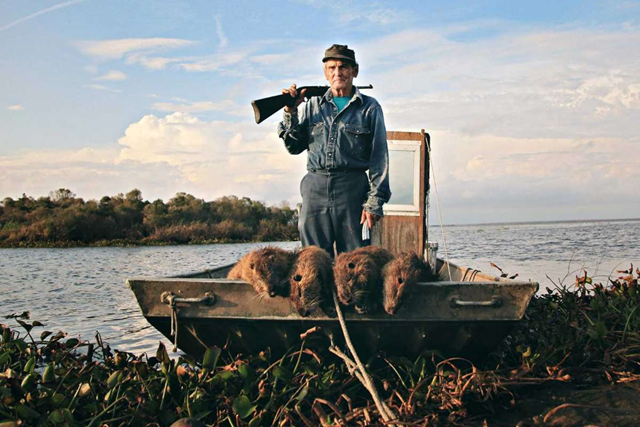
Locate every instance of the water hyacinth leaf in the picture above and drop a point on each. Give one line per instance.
(282, 373)
(72, 342)
(255, 421)
(28, 381)
(25, 412)
(5, 357)
(61, 416)
(201, 415)
(114, 379)
(20, 345)
(36, 323)
(58, 336)
(210, 359)
(191, 361)
(223, 377)
(248, 376)
(601, 329)
(303, 393)
(58, 398)
(49, 374)
(6, 335)
(142, 369)
(243, 407)
(29, 366)
(45, 334)
(162, 355)
(25, 325)
(5, 392)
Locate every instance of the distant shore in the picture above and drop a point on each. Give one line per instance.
(128, 243)
(63, 220)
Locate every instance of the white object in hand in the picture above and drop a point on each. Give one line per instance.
(366, 234)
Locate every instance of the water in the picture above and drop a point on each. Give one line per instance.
(560, 250)
(82, 290)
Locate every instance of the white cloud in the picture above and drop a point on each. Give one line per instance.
(116, 49)
(151, 63)
(102, 88)
(213, 63)
(16, 107)
(562, 84)
(113, 76)
(216, 158)
(162, 156)
(349, 12)
(224, 41)
(195, 107)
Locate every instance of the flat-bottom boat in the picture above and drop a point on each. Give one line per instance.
(465, 312)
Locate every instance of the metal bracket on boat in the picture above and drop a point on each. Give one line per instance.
(169, 297)
(456, 302)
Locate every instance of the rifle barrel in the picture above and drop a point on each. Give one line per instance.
(266, 107)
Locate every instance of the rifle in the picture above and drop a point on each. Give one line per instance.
(266, 107)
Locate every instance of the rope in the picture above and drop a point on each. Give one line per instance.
(362, 375)
(174, 322)
(427, 203)
(444, 239)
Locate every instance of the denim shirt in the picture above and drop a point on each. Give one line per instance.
(352, 139)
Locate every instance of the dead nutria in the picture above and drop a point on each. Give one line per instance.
(358, 277)
(400, 276)
(266, 269)
(311, 279)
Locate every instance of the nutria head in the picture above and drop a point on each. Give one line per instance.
(355, 276)
(400, 276)
(268, 270)
(311, 276)
(306, 292)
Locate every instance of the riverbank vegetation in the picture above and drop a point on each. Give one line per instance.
(576, 337)
(62, 219)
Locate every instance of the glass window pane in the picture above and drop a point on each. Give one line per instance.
(401, 176)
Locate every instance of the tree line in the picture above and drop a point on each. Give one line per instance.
(62, 219)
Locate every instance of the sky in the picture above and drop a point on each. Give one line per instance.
(532, 107)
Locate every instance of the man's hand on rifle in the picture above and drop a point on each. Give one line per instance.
(293, 91)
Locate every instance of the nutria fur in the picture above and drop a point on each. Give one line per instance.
(311, 279)
(266, 269)
(400, 276)
(358, 277)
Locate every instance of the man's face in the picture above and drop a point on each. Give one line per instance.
(339, 74)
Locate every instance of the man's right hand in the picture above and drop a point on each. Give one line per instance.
(293, 91)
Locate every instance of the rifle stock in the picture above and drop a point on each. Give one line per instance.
(266, 107)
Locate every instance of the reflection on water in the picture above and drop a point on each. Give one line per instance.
(82, 290)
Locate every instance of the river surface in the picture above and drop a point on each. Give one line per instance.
(82, 290)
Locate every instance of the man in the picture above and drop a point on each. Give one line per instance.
(344, 134)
